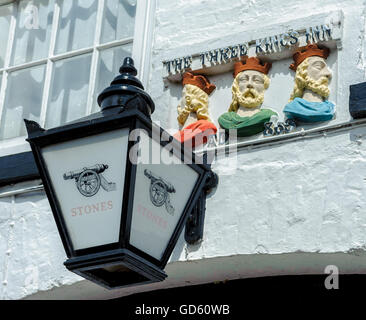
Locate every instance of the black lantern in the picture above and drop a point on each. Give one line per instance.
(120, 187)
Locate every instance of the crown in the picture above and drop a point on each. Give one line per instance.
(198, 81)
(251, 63)
(308, 51)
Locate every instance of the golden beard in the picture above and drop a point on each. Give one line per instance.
(250, 98)
(303, 81)
(183, 113)
(197, 103)
(319, 86)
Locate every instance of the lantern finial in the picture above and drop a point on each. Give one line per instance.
(126, 91)
(128, 67)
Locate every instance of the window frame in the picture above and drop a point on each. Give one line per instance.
(15, 152)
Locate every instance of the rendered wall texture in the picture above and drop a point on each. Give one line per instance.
(303, 199)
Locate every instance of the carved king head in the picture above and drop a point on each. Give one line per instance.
(312, 71)
(250, 83)
(196, 89)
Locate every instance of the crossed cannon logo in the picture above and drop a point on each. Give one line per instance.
(88, 180)
(159, 192)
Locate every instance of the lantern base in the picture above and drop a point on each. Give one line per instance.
(115, 269)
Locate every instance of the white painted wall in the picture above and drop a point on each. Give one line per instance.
(285, 208)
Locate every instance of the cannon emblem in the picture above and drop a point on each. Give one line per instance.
(88, 180)
(159, 192)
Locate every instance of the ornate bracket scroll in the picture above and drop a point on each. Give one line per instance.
(195, 222)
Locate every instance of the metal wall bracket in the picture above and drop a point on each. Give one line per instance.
(195, 222)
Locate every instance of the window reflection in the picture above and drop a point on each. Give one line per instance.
(118, 20)
(110, 61)
(69, 93)
(77, 24)
(69, 83)
(33, 31)
(5, 15)
(23, 101)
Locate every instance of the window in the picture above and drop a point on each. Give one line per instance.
(56, 56)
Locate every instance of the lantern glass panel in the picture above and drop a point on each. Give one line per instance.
(163, 187)
(88, 176)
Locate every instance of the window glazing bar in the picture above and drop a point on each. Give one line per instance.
(115, 43)
(7, 58)
(95, 57)
(49, 68)
(21, 191)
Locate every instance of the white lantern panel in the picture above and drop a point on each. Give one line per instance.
(88, 177)
(162, 191)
